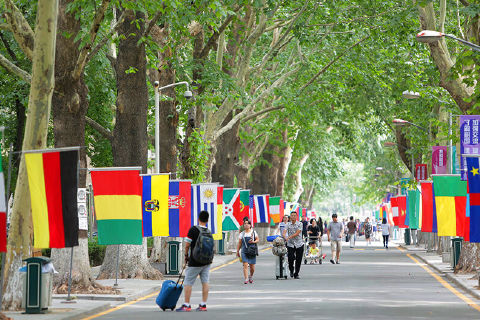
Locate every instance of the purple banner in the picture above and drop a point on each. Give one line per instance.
(439, 160)
(469, 143)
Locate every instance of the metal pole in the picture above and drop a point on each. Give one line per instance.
(450, 143)
(116, 273)
(7, 195)
(157, 128)
(70, 276)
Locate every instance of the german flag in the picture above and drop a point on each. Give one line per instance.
(118, 206)
(52, 178)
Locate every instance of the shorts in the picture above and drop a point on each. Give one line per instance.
(336, 245)
(192, 273)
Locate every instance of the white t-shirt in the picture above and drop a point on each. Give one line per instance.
(385, 229)
(248, 234)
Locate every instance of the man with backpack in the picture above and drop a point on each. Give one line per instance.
(199, 251)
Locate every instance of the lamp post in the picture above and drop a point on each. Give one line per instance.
(401, 122)
(187, 95)
(429, 36)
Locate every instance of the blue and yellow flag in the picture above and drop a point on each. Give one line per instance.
(473, 178)
(155, 205)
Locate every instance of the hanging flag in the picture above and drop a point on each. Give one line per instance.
(394, 204)
(429, 211)
(439, 160)
(474, 193)
(295, 207)
(231, 209)
(204, 197)
(262, 210)
(404, 182)
(155, 205)
(118, 206)
(469, 143)
(179, 207)
(450, 196)
(421, 171)
(274, 203)
(52, 179)
(218, 235)
(282, 209)
(402, 211)
(303, 213)
(244, 205)
(3, 208)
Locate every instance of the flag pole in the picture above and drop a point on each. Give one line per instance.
(116, 272)
(7, 195)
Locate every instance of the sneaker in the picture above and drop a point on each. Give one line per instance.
(184, 308)
(245, 282)
(323, 256)
(202, 308)
(338, 262)
(296, 277)
(250, 280)
(331, 261)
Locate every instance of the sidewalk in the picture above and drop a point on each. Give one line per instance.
(90, 304)
(434, 261)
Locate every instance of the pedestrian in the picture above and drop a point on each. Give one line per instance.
(385, 232)
(243, 223)
(367, 226)
(320, 225)
(293, 235)
(197, 237)
(374, 229)
(313, 232)
(334, 234)
(325, 224)
(351, 229)
(305, 227)
(282, 225)
(248, 239)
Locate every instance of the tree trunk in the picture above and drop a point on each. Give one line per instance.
(283, 165)
(298, 177)
(69, 107)
(227, 156)
(129, 146)
(469, 260)
(39, 106)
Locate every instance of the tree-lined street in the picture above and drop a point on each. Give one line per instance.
(370, 283)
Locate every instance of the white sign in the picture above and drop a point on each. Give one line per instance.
(82, 209)
(82, 223)
(82, 195)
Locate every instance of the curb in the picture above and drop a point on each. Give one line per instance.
(87, 313)
(450, 276)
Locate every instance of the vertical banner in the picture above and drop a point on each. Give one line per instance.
(421, 171)
(469, 143)
(439, 159)
(155, 222)
(455, 163)
(404, 182)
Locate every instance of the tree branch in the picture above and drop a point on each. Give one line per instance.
(10, 67)
(152, 23)
(107, 134)
(256, 114)
(312, 80)
(22, 31)
(82, 57)
(5, 27)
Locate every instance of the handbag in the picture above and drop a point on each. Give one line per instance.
(251, 251)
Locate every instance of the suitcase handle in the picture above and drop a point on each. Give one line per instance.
(183, 269)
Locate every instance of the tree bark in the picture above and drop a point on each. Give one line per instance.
(298, 177)
(469, 260)
(39, 106)
(283, 165)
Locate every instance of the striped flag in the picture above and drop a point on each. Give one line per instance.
(262, 210)
(155, 205)
(251, 212)
(218, 235)
(52, 179)
(244, 205)
(179, 207)
(118, 206)
(204, 197)
(3, 209)
(231, 209)
(473, 178)
(275, 207)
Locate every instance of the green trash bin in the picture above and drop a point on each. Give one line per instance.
(457, 244)
(37, 286)
(173, 260)
(221, 244)
(407, 237)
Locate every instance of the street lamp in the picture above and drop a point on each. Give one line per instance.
(428, 36)
(410, 94)
(188, 95)
(401, 122)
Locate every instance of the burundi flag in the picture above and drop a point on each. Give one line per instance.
(402, 211)
(52, 179)
(275, 205)
(450, 200)
(204, 197)
(244, 205)
(231, 209)
(262, 210)
(118, 205)
(155, 205)
(3, 210)
(179, 207)
(473, 177)
(429, 211)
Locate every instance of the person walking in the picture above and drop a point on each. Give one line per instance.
(282, 225)
(247, 238)
(320, 225)
(304, 227)
(367, 226)
(351, 229)
(293, 235)
(334, 234)
(313, 232)
(196, 268)
(385, 232)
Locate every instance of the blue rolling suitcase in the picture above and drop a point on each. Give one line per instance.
(170, 293)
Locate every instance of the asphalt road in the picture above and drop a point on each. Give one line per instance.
(370, 283)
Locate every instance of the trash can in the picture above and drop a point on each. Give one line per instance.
(457, 244)
(173, 260)
(221, 244)
(37, 285)
(407, 236)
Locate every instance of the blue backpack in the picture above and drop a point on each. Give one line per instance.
(204, 247)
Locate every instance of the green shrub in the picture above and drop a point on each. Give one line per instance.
(96, 252)
(46, 252)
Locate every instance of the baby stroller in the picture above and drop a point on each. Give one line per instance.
(318, 241)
